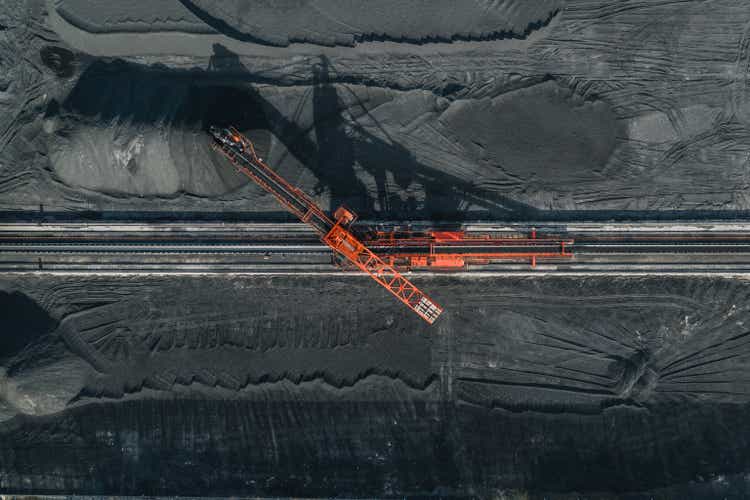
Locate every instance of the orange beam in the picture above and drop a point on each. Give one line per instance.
(240, 151)
(347, 245)
(457, 249)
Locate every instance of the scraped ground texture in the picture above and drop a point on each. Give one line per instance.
(431, 110)
(342, 22)
(144, 386)
(404, 110)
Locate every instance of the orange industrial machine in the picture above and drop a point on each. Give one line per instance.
(457, 249)
(335, 234)
(380, 253)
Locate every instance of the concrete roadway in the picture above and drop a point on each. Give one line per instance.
(266, 248)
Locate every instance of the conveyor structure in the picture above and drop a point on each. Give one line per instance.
(380, 254)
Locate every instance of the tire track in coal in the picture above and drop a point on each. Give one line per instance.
(16, 181)
(589, 13)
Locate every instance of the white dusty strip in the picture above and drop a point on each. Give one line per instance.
(295, 227)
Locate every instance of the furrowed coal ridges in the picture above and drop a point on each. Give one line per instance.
(374, 448)
(643, 368)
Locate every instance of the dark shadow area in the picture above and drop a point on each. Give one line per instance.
(340, 145)
(223, 105)
(22, 321)
(337, 150)
(60, 60)
(112, 91)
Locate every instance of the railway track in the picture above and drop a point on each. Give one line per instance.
(605, 248)
(583, 248)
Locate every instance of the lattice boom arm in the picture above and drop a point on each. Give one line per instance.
(240, 151)
(347, 245)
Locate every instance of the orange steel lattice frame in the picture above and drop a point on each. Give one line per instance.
(456, 249)
(240, 151)
(395, 249)
(346, 244)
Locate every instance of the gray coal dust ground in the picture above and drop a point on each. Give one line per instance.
(547, 384)
(504, 110)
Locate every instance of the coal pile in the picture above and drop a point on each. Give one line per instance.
(431, 111)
